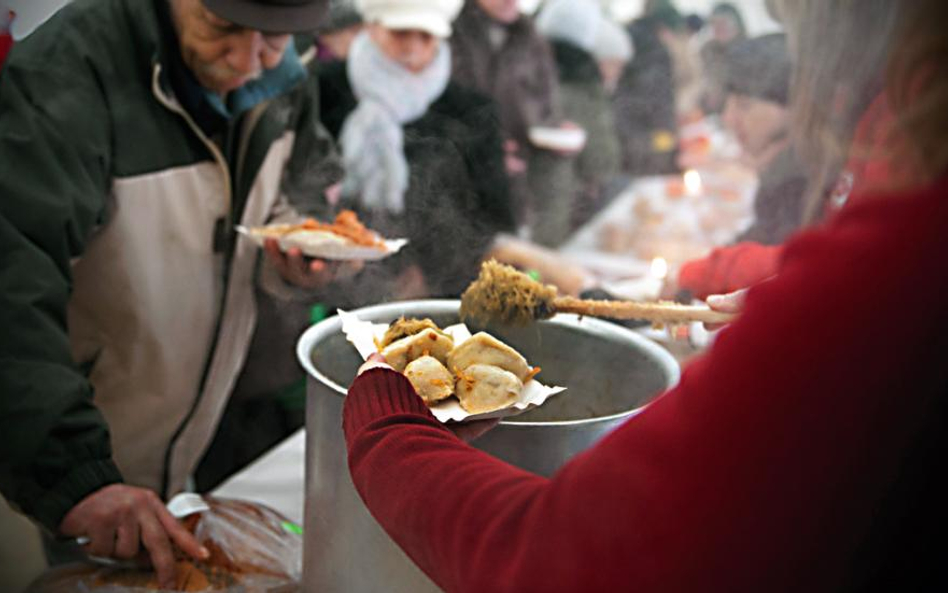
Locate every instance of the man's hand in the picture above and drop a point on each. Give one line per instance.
(305, 272)
(570, 152)
(120, 520)
(513, 162)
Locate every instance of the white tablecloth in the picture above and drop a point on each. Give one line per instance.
(275, 479)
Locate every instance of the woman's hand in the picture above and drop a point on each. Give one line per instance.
(732, 302)
(466, 431)
(375, 361)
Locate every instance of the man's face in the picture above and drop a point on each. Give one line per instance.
(221, 55)
(413, 49)
(502, 11)
(755, 122)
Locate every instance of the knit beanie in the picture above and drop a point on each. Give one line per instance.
(342, 15)
(760, 68)
(573, 21)
(612, 42)
(432, 16)
(582, 23)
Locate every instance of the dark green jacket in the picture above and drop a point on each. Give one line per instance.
(587, 103)
(125, 298)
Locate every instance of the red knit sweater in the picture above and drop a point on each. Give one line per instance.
(761, 471)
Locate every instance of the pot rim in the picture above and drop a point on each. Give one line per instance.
(332, 325)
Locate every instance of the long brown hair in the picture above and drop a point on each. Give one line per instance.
(840, 49)
(917, 86)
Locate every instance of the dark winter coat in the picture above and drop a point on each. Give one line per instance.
(457, 198)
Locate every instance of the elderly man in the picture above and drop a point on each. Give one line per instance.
(134, 135)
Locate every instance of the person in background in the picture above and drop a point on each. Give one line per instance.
(846, 147)
(423, 155)
(335, 36)
(802, 453)
(590, 53)
(727, 28)
(644, 101)
(757, 113)
(122, 275)
(498, 52)
(6, 35)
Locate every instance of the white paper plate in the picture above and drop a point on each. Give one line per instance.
(363, 335)
(321, 244)
(558, 138)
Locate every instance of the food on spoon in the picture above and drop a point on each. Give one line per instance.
(483, 348)
(428, 342)
(431, 379)
(484, 388)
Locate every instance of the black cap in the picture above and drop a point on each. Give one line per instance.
(272, 16)
(760, 68)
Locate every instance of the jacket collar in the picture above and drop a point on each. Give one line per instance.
(210, 112)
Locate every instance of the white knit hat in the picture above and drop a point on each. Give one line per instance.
(582, 23)
(573, 21)
(612, 42)
(432, 16)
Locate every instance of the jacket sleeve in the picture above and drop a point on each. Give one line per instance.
(54, 175)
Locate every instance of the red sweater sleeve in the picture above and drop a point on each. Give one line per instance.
(761, 471)
(730, 268)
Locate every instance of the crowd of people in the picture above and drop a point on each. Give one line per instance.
(796, 455)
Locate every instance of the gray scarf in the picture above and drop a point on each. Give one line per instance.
(372, 141)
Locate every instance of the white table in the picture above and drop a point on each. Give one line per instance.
(275, 479)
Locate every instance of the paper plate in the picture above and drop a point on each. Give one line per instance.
(558, 138)
(363, 335)
(321, 244)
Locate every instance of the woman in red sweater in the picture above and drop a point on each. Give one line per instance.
(802, 453)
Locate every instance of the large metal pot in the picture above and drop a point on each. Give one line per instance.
(610, 373)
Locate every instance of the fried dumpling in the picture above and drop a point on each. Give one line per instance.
(483, 348)
(427, 342)
(402, 328)
(484, 388)
(431, 379)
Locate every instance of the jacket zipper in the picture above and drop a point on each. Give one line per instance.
(225, 170)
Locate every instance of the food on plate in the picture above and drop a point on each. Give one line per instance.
(484, 349)
(485, 388)
(428, 342)
(482, 373)
(430, 378)
(401, 328)
(346, 227)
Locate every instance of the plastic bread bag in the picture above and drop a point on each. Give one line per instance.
(253, 549)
